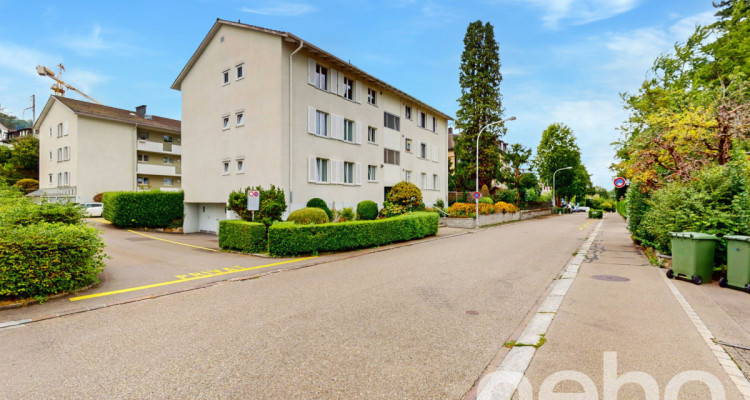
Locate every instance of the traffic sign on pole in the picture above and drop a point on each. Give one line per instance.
(477, 195)
(619, 182)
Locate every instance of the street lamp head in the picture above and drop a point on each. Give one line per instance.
(511, 119)
(566, 168)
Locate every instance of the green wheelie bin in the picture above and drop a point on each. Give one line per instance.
(738, 263)
(692, 256)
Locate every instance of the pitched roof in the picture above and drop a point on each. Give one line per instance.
(118, 114)
(307, 46)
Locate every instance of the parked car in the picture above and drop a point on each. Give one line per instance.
(579, 209)
(92, 209)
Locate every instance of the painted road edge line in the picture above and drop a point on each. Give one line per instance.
(504, 381)
(734, 372)
(232, 270)
(171, 241)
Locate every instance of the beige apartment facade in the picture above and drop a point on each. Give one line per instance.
(264, 107)
(87, 148)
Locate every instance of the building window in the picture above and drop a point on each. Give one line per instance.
(225, 122)
(50, 131)
(50, 156)
(371, 96)
(226, 169)
(348, 88)
(321, 170)
(407, 176)
(407, 112)
(371, 135)
(371, 173)
(321, 123)
(59, 154)
(50, 178)
(423, 150)
(434, 124)
(392, 157)
(66, 153)
(435, 183)
(142, 157)
(240, 166)
(240, 71)
(168, 160)
(422, 120)
(321, 77)
(407, 145)
(168, 182)
(66, 178)
(240, 118)
(422, 180)
(142, 181)
(59, 179)
(225, 77)
(391, 121)
(142, 135)
(349, 131)
(59, 130)
(168, 139)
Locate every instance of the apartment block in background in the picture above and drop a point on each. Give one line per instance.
(87, 148)
(262, 107)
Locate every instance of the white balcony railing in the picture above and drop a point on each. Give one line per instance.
(162, 170)
(156, 147)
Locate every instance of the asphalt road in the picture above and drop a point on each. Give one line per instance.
(420, 321)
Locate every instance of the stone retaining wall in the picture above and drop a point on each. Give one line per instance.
(492, 219)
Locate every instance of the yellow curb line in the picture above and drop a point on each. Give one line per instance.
(171, 241)
(230, 270)
(580, 228)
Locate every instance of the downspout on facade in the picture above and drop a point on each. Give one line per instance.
(291, 124)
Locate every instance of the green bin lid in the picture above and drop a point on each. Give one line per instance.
(738, 238)
(693, 235)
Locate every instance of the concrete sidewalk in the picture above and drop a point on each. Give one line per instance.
(621, 315)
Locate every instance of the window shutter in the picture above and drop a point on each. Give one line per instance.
(334, 131)
(311, 71)
(311, 169)
(333, 171)
(438, 183)
(358, 91)
(333, 80)
(341, 84)
(65, 128)
(416, 117)
(358, 173)
(311, 115)
(434, 153)
(341, 171)
(359, 132)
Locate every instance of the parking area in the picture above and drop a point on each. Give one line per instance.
(142, 264)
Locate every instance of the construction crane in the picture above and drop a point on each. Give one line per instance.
(60, 86)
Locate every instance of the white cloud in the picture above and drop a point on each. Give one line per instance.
(86, 44)
(86, 81)
(282, 10)
(685, 27)
(580, 12)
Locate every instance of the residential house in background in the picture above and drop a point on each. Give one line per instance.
(87, 148)
(3, 133)
(264, 107)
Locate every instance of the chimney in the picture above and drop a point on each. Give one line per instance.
(141, 110)
(450, 130)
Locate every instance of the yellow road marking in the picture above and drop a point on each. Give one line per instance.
(170, 241)
(102, 220)
(580, 228)
(227, 271)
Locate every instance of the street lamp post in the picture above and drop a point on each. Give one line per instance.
(554, 199)
(476, 215)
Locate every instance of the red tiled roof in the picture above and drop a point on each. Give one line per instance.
(117, 114)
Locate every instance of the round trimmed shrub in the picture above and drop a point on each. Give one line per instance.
(486, 200)
(319, 203)
(308, 215)
(405, 194)
(367, 210)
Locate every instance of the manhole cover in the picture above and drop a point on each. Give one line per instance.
(610, 278)
(472, 312)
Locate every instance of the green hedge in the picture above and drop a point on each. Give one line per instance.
(153, 209)
(244, 236)
(288, 239)
(598, 214)
(44, 259)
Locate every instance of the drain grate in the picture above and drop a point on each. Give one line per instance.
(611, 278)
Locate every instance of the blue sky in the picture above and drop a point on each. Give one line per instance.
(563, 60)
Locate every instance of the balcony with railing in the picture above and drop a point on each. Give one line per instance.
(159, 147)
(160, 170)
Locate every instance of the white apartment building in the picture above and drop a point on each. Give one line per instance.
(87, 148)
(264, 107)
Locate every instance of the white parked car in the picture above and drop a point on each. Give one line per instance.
(92, 209)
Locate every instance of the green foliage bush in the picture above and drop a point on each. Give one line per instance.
(486, 200)
(392, 210)
(43, 259)
(638, 205)
(598, 214)
(504, 195)
(287, 239)
(562, 210)
(244, 236)
(152, 209)
(440, 203)
(622, 208)
(405, 194)
(346, 214)
(308, 215)
(319, 203)
(27, 185)
(272, 204)
(367, 210)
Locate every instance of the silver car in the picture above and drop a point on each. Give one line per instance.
(92, 209)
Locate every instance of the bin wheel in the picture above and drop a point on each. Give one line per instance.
(723, 282)
(670, 274)
(747, 288)
(697, 280)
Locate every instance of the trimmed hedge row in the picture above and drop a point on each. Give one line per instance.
(288, 239)
(153, 209)
(244, 236)
(598, 214)
(47, 258)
